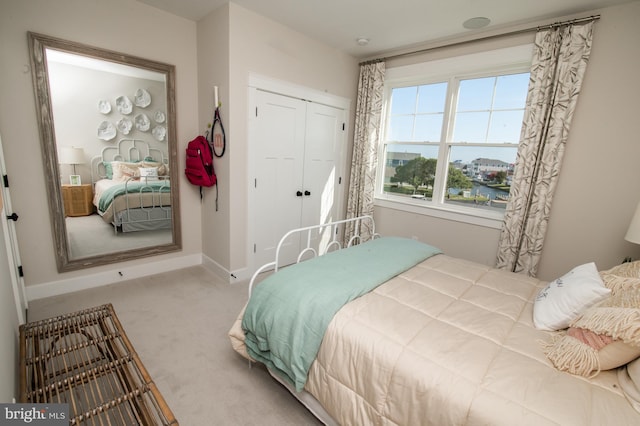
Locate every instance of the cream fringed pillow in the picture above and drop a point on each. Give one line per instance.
(605, 336)
(622, 276)
(123, 170)
(163, 169)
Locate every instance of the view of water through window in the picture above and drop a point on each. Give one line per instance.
(479, 140)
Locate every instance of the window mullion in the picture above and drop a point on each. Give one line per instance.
(440, 182)
(382, 146)
(493, 100)
(415, 113)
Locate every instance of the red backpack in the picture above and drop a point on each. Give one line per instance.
(199, 169)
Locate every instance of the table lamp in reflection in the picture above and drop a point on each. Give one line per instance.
(73, 156)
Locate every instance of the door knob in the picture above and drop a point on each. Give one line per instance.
(299, 193)
(13, 217)
(307, 193)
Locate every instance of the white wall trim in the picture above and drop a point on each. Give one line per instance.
(229, 276)
(273, 85)
(440, 212)
(56, 288)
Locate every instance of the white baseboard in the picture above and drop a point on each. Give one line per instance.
(229, 276)
(55, 288)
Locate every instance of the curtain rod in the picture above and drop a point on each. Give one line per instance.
(490, 37)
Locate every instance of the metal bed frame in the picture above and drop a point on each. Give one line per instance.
(156, 216)
(336, 231)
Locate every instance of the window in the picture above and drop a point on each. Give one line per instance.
(450, 142)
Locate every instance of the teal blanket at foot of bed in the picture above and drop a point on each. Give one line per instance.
(288, 312)
(131, 187)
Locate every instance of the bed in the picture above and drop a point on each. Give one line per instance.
(443, 342)
(131, 186)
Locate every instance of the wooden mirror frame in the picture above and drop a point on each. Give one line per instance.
(38, 44)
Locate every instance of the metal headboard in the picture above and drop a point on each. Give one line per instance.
(336, 230)
(124, 150)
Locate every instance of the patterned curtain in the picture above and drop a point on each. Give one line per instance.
(365, 144)
(559, 63)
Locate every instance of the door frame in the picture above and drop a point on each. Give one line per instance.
(284, 88)
(11, 242)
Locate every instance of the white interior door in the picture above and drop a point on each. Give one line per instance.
(11, 243)
(324, 146)
(278, 133)
(297, 149)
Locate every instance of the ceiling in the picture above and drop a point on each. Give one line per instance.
(388, 24)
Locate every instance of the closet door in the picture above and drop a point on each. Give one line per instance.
(324, 145)
(278, 134)
(297, 148)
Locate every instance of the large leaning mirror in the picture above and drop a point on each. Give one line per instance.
(108, 133)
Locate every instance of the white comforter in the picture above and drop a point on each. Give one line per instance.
(451, 342)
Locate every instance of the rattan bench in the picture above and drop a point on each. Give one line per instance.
(85, 359)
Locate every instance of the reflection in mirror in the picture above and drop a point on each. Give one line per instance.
(107, 127)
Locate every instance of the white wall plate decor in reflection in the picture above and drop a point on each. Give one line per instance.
(142, 122)
(124, 125)
(159, 117)
(106, 131)
(159, 132)
(142, 98)
(124, 105)
(104, 106)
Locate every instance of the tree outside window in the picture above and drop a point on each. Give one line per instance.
(471, 125)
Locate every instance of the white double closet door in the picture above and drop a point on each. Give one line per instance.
(298, 150)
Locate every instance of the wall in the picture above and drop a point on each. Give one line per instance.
(121, 25)
(74, 100)
(598, 187)
(264, 47)
(598, 184)
(213, 70)
(261, 46)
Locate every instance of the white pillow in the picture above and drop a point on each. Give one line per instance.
(565, 298)
(150, 173)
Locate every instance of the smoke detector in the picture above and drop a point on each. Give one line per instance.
(476, 23)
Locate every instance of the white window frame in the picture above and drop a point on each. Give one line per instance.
(505, 61)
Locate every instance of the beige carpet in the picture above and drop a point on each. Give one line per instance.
(91, 236)
(178, 324)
